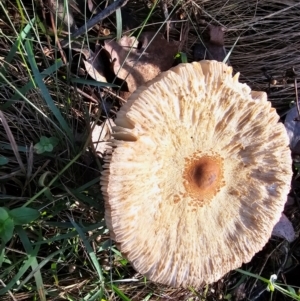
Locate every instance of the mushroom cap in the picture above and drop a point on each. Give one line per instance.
(198, 177)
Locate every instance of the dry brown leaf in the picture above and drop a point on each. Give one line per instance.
(101, 134)
(63, 11)
(292, 126)
(99, 66)
(93, 62)
(213, 47)
(284, 229)
(137, 63)
(94, 70)
(215, 35)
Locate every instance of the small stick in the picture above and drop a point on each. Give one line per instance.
(9, 292)
(56, 38)
(100, 16)
(164, 7)
(44, 17)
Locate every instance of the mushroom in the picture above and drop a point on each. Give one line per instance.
(198, 177)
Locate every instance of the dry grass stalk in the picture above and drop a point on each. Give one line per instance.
(268, 42)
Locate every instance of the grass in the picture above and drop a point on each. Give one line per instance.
(48, 107)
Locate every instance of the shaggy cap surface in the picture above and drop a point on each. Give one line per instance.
(198, 177)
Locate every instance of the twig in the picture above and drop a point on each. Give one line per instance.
(44, 18)
(260, 272)
(100, 16)
(9, 292)
(164, 7)
(286, 255)
(56, 37)
(12, 141)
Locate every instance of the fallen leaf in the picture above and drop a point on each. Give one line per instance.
(93, 8)
(215, 35)
(93, 68)
(292, 126)
(99, 66)
(284, 229)
(63, 12)
(101, 135)
(93, 62)
(140, 60)
(213, 47)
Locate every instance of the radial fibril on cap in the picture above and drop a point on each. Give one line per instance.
(198, 176)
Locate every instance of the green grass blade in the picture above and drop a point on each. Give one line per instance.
(15, 46)
(89, 249)
(119, 23)
(120, 293)
(45, 92)
(7, 146)
(9, 269)
(53, 180)
(267, 281)
(243, 278)
(2, 255)
(30, 85)
(85, 199)
(9, 84)
(88, 184)
(16, 96)
(147, 298)
(93, 83)
(12, 141)
(97, 296)
(66, 225)
(71, 234)
(21, 12)
(53, 68)
(41, 264)
(27, 263)
(34, 264)
(286, 292)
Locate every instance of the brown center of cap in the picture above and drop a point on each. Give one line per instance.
(203, 177)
